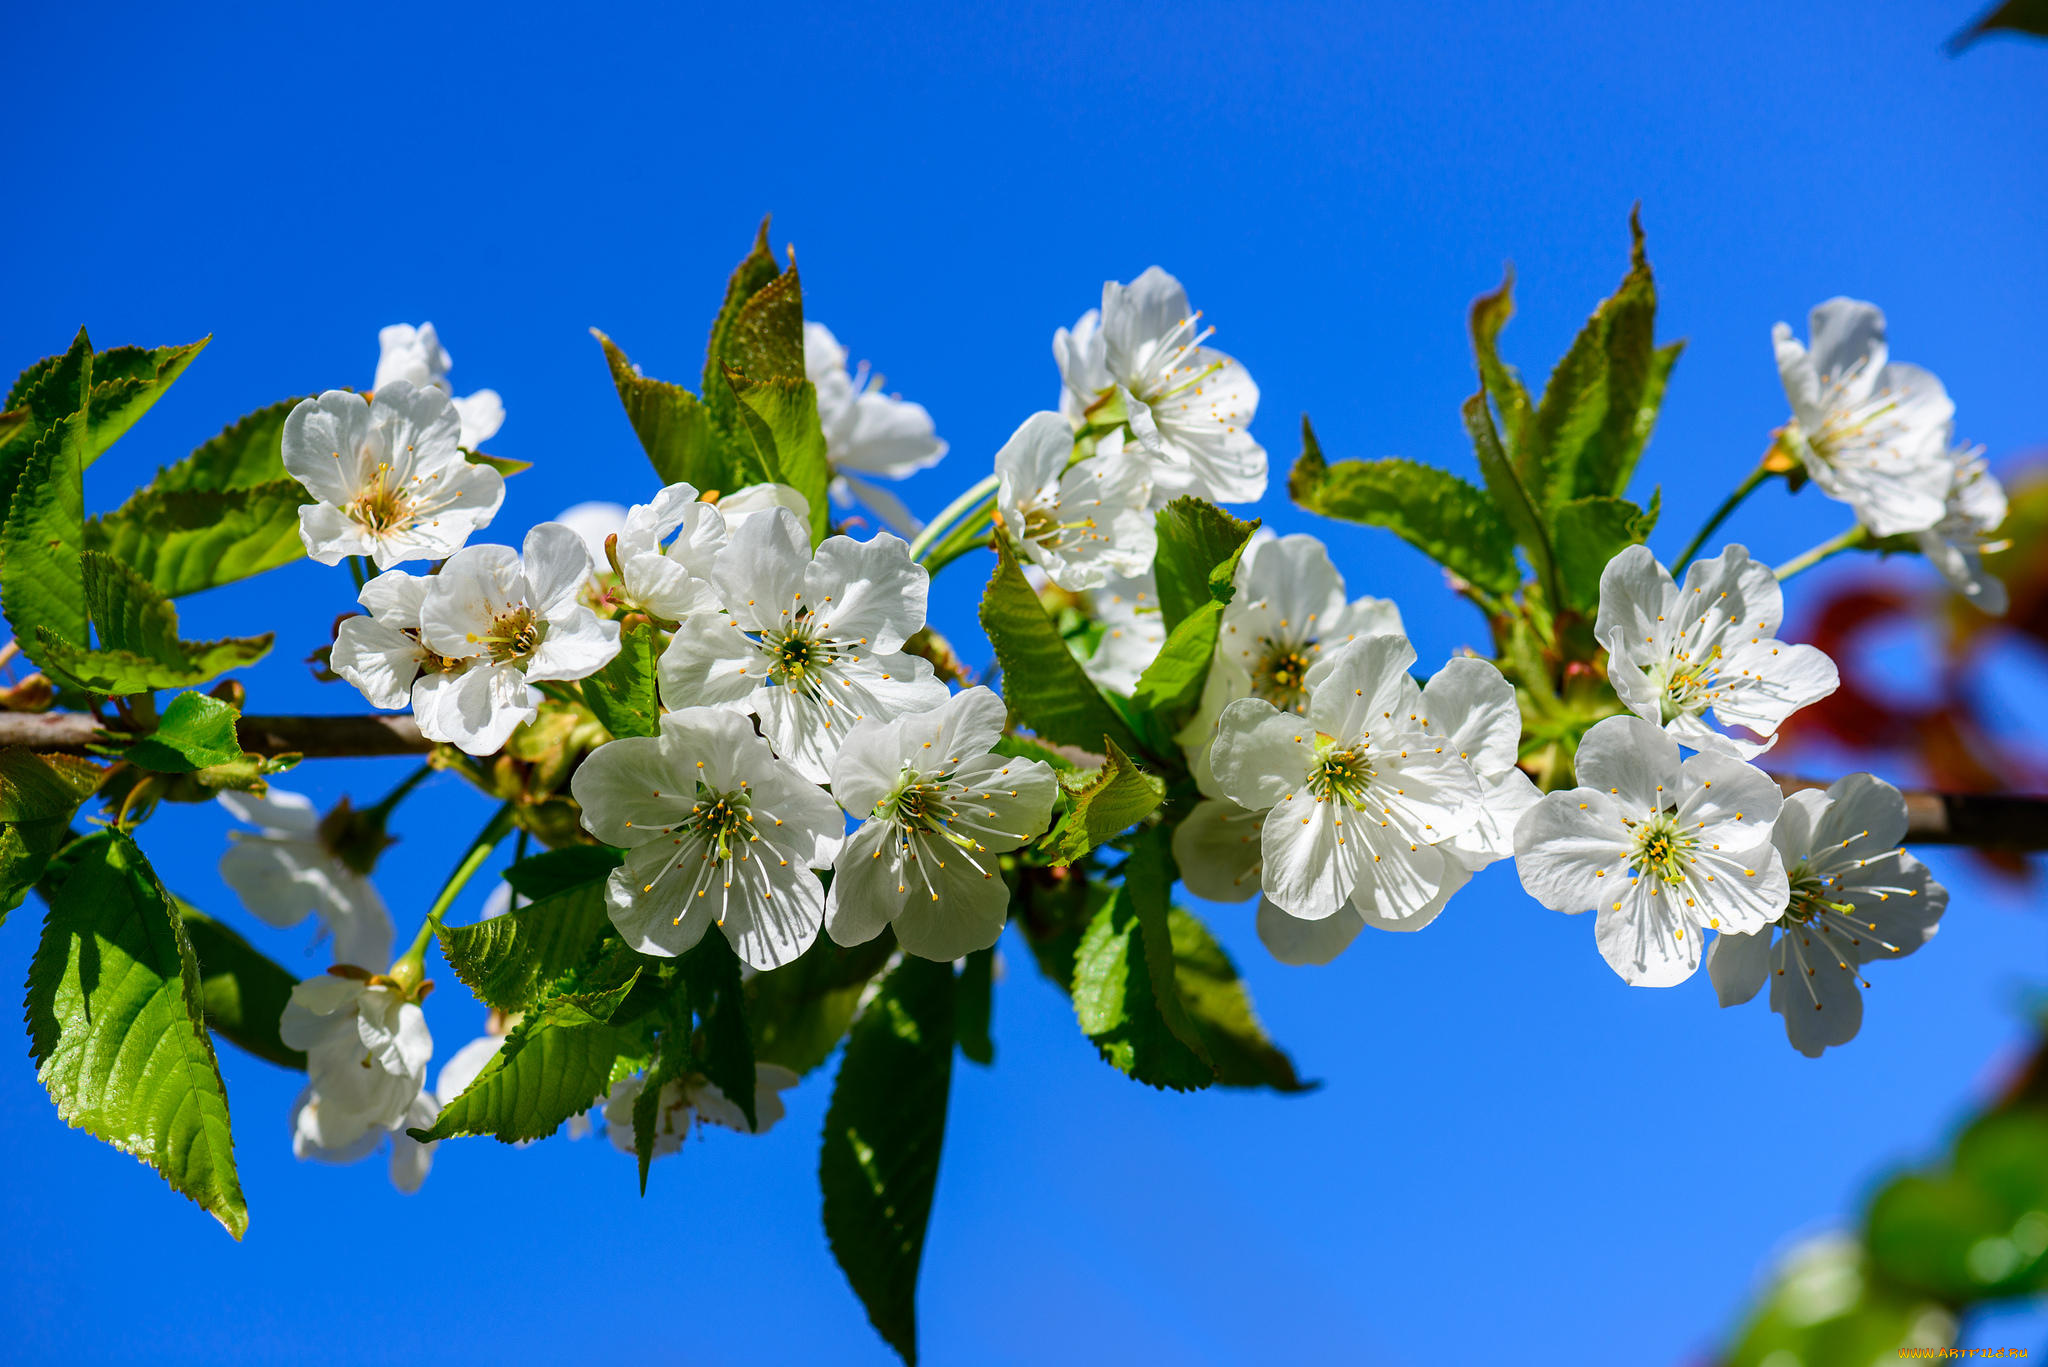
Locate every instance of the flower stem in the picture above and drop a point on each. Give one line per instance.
(1849, 540)
(1722, 513)
(411, 967)
(359, 571)
(950, 514)
(971, 533)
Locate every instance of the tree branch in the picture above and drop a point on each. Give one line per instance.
(314, 737)
(1985, 821)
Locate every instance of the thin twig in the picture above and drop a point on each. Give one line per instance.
(1984, 821)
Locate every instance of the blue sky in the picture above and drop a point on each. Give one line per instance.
(1513, 1151)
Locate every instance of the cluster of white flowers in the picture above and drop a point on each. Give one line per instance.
(367, 1049)
(1880, 436)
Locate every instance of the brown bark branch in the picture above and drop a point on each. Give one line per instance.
(1985, 821)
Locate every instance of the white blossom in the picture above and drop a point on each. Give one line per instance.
(1975, 508)
(367, 1049)
(1132, 630)
(1675, 653)
(389, 476)
(410, 1160)
(694, 1097)
(1856, 898)
(936, 807)
(416, 356)
(867, 432)
(1870, 431)
(1357, 793)
(498, 621)
(1288, 608)
(810, 643)
(716, 830)
(1080, 523)
(288, 869)
(1663, 851)
(666, 549)
(1188, 404)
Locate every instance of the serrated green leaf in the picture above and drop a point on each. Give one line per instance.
(247, 454)
(243, 989)
(667, 1065)
(883, 1135)
(1104, 805)
(1171, 685)
(1199, 547)
(1591, 532)
(554, 1065)
(767, 337)
(117, 1026)
(973, 997)
(510, 960)
(50, 397)
(675, 428)
(553, 871)
(42, 787)
(623, 695)
(126, 382)
(1125, 992)
(182, 541)
(26, 848)
(726, 1052)
(41, 582)
(798, 1013)
(1510, 496)
(1490, 313)
(1044, 685)
(780, 417)
(754, 272)
(1433, 510)
(139, 649)
(195, 732)
(1220, 1006)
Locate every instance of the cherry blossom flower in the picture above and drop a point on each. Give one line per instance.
(694, 1097)
(1675, 653)
(666, 549)
(1357, 793)
(1288, 608)
(1856, 898)
(716, 830)
(1663, 851)
(1188, 404)
(867, 432)
(291, 868)
(416, 356)
(936, 807)
(1126, 609)
(1870, 431)
(390, 477)
(1975, 509)
(1080, 523)
(367, 1049)
(811, 642)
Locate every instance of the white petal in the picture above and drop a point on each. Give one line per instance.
(1218, 851)
(1261, 754)
(1292, 940)
(381, 661)
(1739, 965)
(1632, 761)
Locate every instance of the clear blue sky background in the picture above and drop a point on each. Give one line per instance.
(1515, 1156)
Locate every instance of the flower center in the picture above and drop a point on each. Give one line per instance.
(797, 656)
(1281, 671)
(1340, 774)
(1663, 850)
(1689, 686)
(515, 635)
(382, 506)
(720, 818)
(1810, 897)
(1867, 427)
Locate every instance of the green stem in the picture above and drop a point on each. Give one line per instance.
(411, 966)
(358, 571)
(971, 534)
(1722, 513)
(950, 514)
(1847, 541)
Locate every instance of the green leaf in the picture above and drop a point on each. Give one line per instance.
(767, 337)
(117, 1026)
(51, 398)
(1829, 1308)
(623, 695)
(555, 1064)
(1125, 993)
(755, 271)
(195, 732)
(1044, 685)
(798, 1013)
(39, 794)
(1490, 313)
(712, 971)
(883, 1135)
(126, 383)
(1433, 510)
(1023, 747)
(182, 541)
(510, 960)
(247, 454)
(503, 465)
(675, 429)
(668, 1065)
(1948, 1235)
(1199, 546)
(139, 649)
(1171, 685)
(1220, 1005)
(553, 871)
(1591, 532)
(41, 583)
(1104, 804)
(1518, 509)
(780, 418)
(973, 996)
(244, 990)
